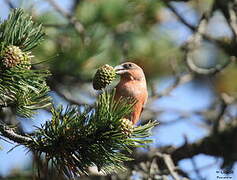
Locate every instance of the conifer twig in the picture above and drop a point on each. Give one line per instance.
(10, 4)
(13, 136)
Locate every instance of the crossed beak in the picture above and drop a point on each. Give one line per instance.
(120, 69)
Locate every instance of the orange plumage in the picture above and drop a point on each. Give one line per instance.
(132, 84)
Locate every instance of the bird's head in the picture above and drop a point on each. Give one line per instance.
(130, 71)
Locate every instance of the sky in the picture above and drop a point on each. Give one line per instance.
(187, 97)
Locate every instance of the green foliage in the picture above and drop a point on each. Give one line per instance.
(73, 52)
(19, 30)
(75, 140)
(21, 88)
(24, 90)
(115, 30)
(112, 13)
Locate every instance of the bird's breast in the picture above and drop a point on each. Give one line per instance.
(131, 89)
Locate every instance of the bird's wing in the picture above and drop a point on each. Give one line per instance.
(143, 104)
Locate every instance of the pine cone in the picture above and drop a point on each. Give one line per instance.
(103, 76)
(12, 56)
(126, 127)
(26, 61)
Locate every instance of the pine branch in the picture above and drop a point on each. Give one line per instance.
(73, 141)
(76, 138)
(24, 90)
(21, 88)
(19, 30)
(10, 134)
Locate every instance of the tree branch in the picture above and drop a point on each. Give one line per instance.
(179, 17)
(76, 24)
(228, 10)
(10, 134)
(10, 4)
(213, 145)
(178, 81)
(170, 165)
(228, 46)
(195, 42)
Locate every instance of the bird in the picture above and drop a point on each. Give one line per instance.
(132, 84)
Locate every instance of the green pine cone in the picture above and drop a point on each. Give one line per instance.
(103, 77)
(126, 127)
(12, 56)
(26, 61)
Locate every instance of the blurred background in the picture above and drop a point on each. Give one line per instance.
(188, 52)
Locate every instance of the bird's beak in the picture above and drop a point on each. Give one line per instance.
(120, 69)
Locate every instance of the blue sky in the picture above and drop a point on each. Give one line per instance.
(187, 97)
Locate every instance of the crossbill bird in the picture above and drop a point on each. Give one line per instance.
(132, 84)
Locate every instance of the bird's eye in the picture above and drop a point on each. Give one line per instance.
(127, 66)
